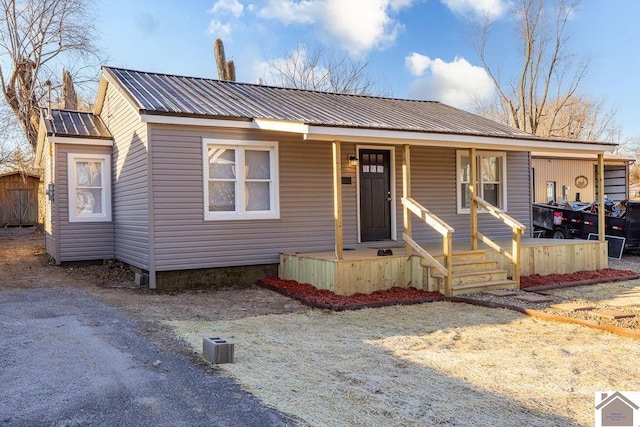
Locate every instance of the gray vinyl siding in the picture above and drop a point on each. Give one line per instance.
(434, 186)
(433, 183)
(79, 241)
(130, 180)
(184, 240)
(519, 189)
(49, 225)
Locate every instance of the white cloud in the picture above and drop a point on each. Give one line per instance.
(219, 29)
(291, 12)
(229, 9)
(356, 25)
(491, 9)
(457, 83)
(417, 63)
(227, 6)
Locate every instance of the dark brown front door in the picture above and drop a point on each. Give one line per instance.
(375, 195)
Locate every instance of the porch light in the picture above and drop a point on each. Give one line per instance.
(353, 160)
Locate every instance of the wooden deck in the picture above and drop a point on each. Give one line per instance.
(361, 270)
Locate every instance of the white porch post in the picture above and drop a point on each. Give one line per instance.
(600, 183)
(406, 193)
(337, 198)
(473, 185)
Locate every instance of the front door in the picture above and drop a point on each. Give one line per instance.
(375, 195)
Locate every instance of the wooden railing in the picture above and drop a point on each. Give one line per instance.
(516, 227)
(447, 240)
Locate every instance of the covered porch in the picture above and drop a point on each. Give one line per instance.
(471, 264)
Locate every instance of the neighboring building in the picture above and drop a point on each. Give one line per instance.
(572, 176)
(216, 179)
(634, 191)
(18, 199)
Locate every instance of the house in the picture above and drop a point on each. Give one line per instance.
(18, 199)
(193, 181)
(616, 409)
(572, 176)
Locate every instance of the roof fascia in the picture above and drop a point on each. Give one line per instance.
(107, 79)
(81, 141)
(196, 121)
(41, 138)
(101, 95)
(325, 133)
(359, 135)
(282, 126)
(608, 157)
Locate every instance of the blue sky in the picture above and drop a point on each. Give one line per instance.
(417, 48)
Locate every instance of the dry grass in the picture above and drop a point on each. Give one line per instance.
(430, 364)
(616, 294)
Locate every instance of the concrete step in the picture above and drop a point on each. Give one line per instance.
(470, 288)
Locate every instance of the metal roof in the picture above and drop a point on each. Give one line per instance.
(153, 93)
(75, 124)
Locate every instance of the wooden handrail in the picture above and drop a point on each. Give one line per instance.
(516, 227)
(502, 216)
(447, 241)
(426, 255)
(428, 217)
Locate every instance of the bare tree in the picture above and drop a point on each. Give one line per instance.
(325, 70)
(542, 97)
(36, 38)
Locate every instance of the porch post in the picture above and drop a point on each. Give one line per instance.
(406, 193)
(337, 198)
(601, 228)
(473, 185)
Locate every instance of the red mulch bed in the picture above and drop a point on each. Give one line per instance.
(319, 298)
(550, 281)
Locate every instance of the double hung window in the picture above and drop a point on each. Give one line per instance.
(240, 180)
(491, 171)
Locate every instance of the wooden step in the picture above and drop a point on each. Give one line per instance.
(469, 255)
(474, 276)
(464, 266)
(471, 288)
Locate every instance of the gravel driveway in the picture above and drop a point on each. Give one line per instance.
(68, 359)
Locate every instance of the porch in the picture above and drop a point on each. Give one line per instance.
(361, 270)
(480, 263)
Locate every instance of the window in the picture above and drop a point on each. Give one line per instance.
(491, 169)
(240, 180)
(89, 187)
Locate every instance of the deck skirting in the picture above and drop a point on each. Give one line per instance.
(361, 271)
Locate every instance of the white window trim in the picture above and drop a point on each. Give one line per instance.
(503, 177)
(105, 159)
(240, 213)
